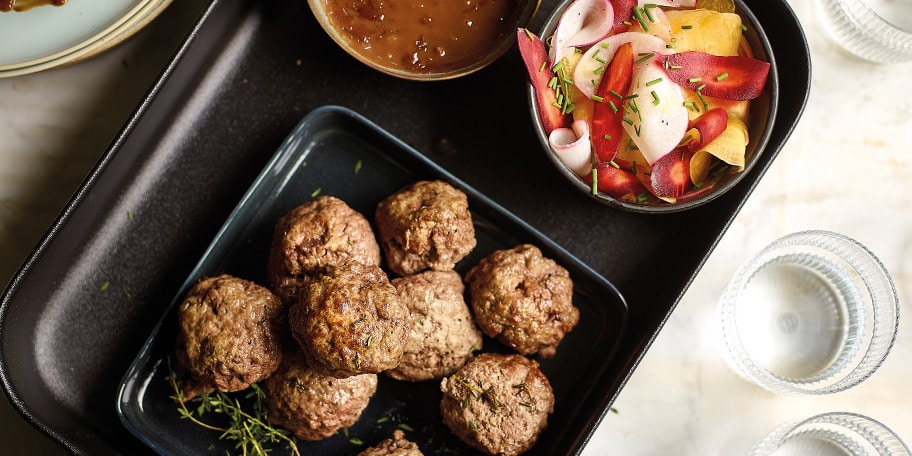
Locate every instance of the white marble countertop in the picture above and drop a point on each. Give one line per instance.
(847, 168)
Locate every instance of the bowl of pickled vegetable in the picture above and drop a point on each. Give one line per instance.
(651, 107)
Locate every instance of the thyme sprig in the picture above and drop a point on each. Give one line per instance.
(249, 431)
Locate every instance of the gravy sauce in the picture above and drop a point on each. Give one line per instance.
(424, 36)
(24, 5)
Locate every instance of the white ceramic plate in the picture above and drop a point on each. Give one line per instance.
(49, 36)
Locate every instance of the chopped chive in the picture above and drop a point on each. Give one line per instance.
(598, 98)
(356, 441)
(604, 45)
(619, 96)
(614, 164)
(649, 15)
(608, 137)
(614, 108)
(104, 286)
(594, 180)
(314, 193)
(638, 14)
(628, 23)
(645, 57)
(529, 34)
(553, 82)
(694, 79)
(669, 46)
(700, 87)
(556, 105)
(655, 98)
(653, 82)
(676, 67)
(627, 120)
(598, 70)
(642, 197)
(406, 427)
(743, 28)
(634, 167)
(358, 165)
(722, 76)
(558, 66)
(687, 27)
(382, 419)
(626, 108)
(634, 106)
(631, 96)
(637, 129)
(542, 67)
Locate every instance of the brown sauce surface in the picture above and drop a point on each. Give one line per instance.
(424, 36)
(24, 5)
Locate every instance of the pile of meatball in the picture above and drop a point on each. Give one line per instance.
(331, 318)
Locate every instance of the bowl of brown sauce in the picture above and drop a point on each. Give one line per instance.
(424, 39)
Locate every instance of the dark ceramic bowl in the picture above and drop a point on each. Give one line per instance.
(520, 16)
(762, 116)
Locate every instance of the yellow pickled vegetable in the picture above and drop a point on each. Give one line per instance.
(706, 31)
(729, 147)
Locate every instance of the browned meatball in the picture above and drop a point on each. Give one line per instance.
(229, 336)
(523, 299)
(395, 446)
(426, 225)
(314, 237)
(443, 334)
(350, 321)
(314, 405)
(497, 403)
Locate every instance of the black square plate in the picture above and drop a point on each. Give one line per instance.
(337, 152)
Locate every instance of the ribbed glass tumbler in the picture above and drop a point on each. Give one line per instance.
(832, 434)
(815, 312)
(875, 30)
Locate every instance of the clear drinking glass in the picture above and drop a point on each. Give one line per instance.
(814, 312)
(875, 30)
(832, 434)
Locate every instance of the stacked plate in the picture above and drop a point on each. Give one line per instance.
(48, 36)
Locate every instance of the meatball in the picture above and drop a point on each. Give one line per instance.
(350, 321)
(443, 334)
(230, 334)
(497, 403)
(395, 446)
(314, 237)
(425, 226)
(523, 299)
(313, 405)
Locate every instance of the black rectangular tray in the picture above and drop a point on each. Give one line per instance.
(82, 305)
(320, 157)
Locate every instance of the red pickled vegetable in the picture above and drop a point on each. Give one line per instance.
(606, 129)
(616, 183)
(670, 176)
(623, 12)
(536, 59)
(710, 124)
(730, 77)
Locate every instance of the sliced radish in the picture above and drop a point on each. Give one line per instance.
(591, 67)
(573, 147)
(584, 22)
(658, 119)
